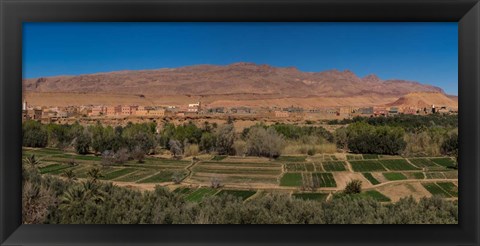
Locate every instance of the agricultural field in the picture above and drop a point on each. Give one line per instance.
(397, 165)
(371, 179)
(394, 176)
(367, 166)
(250, 177)
(334, 166)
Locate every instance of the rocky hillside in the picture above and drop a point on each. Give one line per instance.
(248, 79)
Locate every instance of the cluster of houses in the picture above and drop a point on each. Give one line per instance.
(53, 113)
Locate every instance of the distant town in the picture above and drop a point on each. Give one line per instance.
(198, 110)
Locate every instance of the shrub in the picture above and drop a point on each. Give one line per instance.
(34, 134)
(138, 154)
(121, 156)
(261, 142)
(175, 147)
(353, 187)
(82, 143)
(368, 139)
(240, 147)
(191, 150)
(225, 137)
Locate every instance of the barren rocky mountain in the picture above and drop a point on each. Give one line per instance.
(424, 99)
(250, 80)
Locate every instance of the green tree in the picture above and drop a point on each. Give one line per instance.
(34, 134)
(353, 187)
(225, 137)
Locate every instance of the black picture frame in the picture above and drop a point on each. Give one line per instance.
(14, 12)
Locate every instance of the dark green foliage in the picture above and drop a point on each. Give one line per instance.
(82, 143)
(107, 204)
(367, 139)
(369, 156)
(296, 132)
(311, 196)
(34, 134)
(353, 187)
(242, 194)
(408, 122)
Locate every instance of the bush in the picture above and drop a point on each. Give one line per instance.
(353, 187)
(34, 134)
(82, 143)
(240, 147)
(175, 147)
(261, 142)
(138, 154)
(191, 150)
(225, 136)
(367, 139)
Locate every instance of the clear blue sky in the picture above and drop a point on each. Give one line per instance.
(424, 52)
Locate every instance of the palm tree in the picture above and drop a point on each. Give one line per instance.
(72, 197)
(32, 160)
(94, 174)
(70, 175)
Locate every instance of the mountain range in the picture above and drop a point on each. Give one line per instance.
(239, 81)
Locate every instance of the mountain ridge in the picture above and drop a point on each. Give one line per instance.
(236, 78)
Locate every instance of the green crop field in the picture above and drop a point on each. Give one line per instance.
(354, 157)
(370, 178)
(219, 157)
(291, 158)
(200, 193)
(334, 166)
(323, 180)
(414, 175)
(376, 195)
(52, 168)
(295, 167)
(445, 162)
(397, 165)
(291, 179)
(117, 173)
(311, 196)
(135, 176)
(369, 156)
(422, 162)
(436, 190)
(434, 175)
(367, 166)
(183, 190)
(394, 176)
(163, 176)
(242, 194)
(449, 187)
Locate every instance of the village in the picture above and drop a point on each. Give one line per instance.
(59, 114)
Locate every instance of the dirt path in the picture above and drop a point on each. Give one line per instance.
(349, 166)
